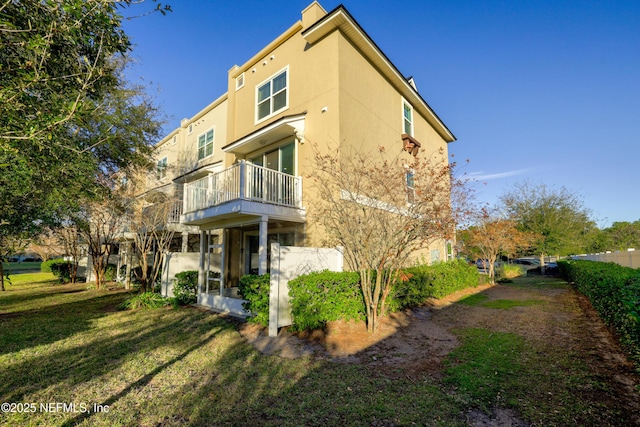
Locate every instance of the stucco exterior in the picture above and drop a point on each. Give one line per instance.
(322, 84)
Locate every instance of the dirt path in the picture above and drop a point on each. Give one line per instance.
(415, 343)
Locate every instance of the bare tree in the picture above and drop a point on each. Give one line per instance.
(383, 210)
(152, 236)
(68, 238)
(100, 225)
(46, 245)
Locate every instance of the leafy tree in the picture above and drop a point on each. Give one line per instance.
(56, 61)
(623, 235)
(68, 118)
(382, 210)
(492, 236)
(556, 216)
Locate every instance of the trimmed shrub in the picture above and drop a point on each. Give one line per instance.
(614, 291)
(45, 266)
(255, 290)
(145, 300)
(110, 272)
(185, 287)
(418, 283)
(321, 297)
(62, 270)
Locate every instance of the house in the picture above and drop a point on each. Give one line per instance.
(237, 166)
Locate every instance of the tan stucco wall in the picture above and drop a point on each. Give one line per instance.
(349, 105)
(182, 156)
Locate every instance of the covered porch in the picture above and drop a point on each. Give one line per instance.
(239, 215)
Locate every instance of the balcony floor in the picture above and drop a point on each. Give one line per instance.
(240, 211)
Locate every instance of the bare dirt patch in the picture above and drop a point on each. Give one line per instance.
(415, 343)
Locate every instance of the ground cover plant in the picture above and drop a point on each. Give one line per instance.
(170, 367)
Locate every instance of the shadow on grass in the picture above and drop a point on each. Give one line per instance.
(189, 367)
(93, 357)
(49, 323)
(144, 380)
(7, 302)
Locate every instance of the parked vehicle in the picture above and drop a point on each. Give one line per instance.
(527, 261)
(482, 263)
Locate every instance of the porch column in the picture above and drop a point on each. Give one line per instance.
(204, 248)
(185, 241)
(262, 249)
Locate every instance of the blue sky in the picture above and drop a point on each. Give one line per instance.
(545, 91)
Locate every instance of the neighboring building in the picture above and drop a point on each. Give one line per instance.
(238, 164)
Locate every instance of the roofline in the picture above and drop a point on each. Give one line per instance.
(341, 9)
(185, 122)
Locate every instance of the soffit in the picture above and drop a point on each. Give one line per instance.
(289, 126)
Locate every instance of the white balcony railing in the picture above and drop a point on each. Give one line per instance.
(244, 181)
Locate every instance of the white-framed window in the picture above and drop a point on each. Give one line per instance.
(410, 186)
(205, 144)
(240, 81)
(272, 95)
(161, 170)
(407, 118)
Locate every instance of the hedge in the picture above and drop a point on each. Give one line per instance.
(614, 291)
(59, 267)
(45, 266)
(431, 281)
(321, 297)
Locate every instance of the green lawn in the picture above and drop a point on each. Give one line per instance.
(65, 344)
(64, 349)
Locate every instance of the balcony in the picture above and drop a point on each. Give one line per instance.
(243, 189)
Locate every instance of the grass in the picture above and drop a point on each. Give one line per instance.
(63, 343)
(170, 367)
(504, 304)
(498, 369)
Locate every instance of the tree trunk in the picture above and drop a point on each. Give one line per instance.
(1, 277)
(543, 269)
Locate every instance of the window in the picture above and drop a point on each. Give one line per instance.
(407, 118)
(162, 168)
(205, 144)
(410, 185)
(240, 81)
(272, 96)
(281, 159)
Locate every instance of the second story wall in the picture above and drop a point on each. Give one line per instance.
(194, 148)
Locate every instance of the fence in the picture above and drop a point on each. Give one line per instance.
(287, 263)
(628, 258)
